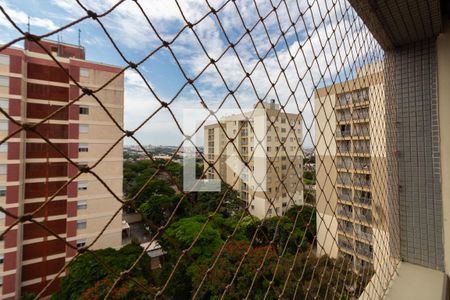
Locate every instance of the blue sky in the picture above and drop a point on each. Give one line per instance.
(133, 35)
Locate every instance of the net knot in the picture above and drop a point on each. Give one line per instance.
(92, 14)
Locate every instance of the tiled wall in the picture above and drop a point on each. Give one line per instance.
(420, 199)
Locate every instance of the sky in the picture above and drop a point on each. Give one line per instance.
(322, 43)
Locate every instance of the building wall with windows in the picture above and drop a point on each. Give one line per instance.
(32, 87)
(272, 180)
(353, 217)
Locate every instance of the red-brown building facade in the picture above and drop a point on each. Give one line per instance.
(33, 86)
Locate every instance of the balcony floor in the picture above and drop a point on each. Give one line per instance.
(416, 283)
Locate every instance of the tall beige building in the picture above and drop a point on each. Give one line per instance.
(33, 86)
(259, 154)
(351, 168)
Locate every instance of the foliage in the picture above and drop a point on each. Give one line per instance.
(126, 289)
(301, 277)
(138, 173)
(310, 175)
(154, 188)
(303, 230)
(207, 202)
(306, 219)
(225, 269)
(159, 208)
(181, 234)
(85, 270)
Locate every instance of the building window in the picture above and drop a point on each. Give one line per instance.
(84, 72)
(4, 59)
(4, 147)
(283, 120)
(284, 195)
(81, 224)
(2, 215)
(283, 129)
(84, 128)
(2, 191)
(3, 125)
(82, 185)
(81, 204)
(83, 164)
(81, 243)
(83, 147)
(3, 169)
(269, 138)
(253, 207)
(4, 81)
(268, 149)
(4, 104)
(2, 258)
(284, 204)
(84, 110)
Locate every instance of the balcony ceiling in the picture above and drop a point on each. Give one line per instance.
(399, 22)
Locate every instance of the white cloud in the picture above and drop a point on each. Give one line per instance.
(326, 48)
(21, 18)
(323, 44)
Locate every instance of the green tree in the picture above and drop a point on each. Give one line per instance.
(226, 266)
(85, 271)
(154, 188)
(306, 219)
(159, 208)
(179, 236)
(206, 202)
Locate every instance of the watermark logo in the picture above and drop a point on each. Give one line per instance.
(228, 143)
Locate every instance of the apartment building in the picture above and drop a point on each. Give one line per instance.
(259, 154)
(351, 168)
(32, 86)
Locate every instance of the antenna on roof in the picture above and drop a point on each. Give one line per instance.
(28, 25)
(79, 37)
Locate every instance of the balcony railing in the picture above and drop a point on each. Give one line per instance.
(344, 181)
(362, 166)
(364, 217)
(364, 235)
(343, 100)
(361, 115)
(363, 200)
(344, 163)
(345, 133)
(360, 96)
(362, 182)
(345, 197)
(361, 149)
(343, 149)
(361, 132)
(345, 245)
(364, 251)
(344, 213)
(347, 229)
(344, 117)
